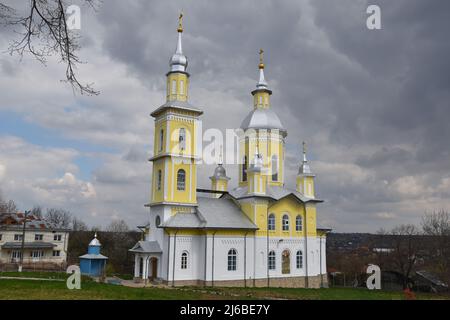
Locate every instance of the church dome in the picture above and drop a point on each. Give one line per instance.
(262, 119)
(95, 242)
(220, 172)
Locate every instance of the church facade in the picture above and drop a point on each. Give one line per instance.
(258, 234)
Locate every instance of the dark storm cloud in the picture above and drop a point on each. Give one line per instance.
(373, 105)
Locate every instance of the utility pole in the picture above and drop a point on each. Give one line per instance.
(23, 240)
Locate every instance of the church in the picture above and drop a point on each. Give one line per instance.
(258, 234)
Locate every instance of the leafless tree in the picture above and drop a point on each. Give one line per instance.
(78, 225)
(58, 218)
(436, 225)
(406, 246)
(118, 226)
(37, 212)
(8, 206)
(43, 32)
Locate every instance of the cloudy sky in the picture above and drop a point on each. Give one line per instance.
(373, 105)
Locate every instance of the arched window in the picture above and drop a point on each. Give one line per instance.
(271, 260)
(244, 169)
(184, 260)
(161, 139)
(285, 222)
(181, 87)
(299, 259)
(174, 86)
(298, 223)
(274, 168)
(157, 221)
(286, 262)
(181, 180)
(182, 139)
(159, 179)
(232, 260)
(271, 222)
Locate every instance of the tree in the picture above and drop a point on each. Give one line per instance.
(8, 206)
(78, 225)
(118, 226)
(43, 32)
(437, 226)
(37, 212)
(58, 218)
(406, 247)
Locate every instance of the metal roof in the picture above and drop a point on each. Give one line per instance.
(212, 213)
(262, 119)
(28, 245)
(273, 192)
(93, 257)
(146, 247)
(176, 104)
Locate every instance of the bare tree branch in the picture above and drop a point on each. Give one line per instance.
(43, 32)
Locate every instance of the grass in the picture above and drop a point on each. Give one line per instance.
(49, 290)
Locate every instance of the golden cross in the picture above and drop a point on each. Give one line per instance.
(180, 22)
(261, 51)
(304, 146)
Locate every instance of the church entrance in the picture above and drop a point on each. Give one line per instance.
(154, 264)
(286, 262)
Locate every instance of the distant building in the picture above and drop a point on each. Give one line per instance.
(93, 263)
(44, 247)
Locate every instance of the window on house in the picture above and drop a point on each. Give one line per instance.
(37, 254)
(182, 139)
(271, 222)
(232, 259)
(159, 179)
(57, 237)
(181, 180)
(161, 139)
(299, 259)
(15, 255)
(274, 168)
(18, 237)
(38, 237)
(184, 259)
(298, 223)
(56, 253)
(272, 260)
(285, 222)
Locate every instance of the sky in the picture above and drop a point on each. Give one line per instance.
(372, 105)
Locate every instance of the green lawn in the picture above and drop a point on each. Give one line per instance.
(33, 289)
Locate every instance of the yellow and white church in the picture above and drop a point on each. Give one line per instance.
(258, 234)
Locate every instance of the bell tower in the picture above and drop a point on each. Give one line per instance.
(177, 131)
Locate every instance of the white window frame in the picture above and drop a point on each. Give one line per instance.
(232, 260)
(38, 237)
(285, 222)
(181, 183)
(298, 223)
(184, 260)
(57, 237)
(299, 259)
(272, 260)
(271, 222)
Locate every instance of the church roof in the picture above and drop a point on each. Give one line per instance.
(212, 213)
(93, 256)
(272, 192)
(147, 246)
(262, 119)
(184, 105)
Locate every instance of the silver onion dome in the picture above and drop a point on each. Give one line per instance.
(304, 166)
(220, 173)
(95, 242)
(178, 62)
